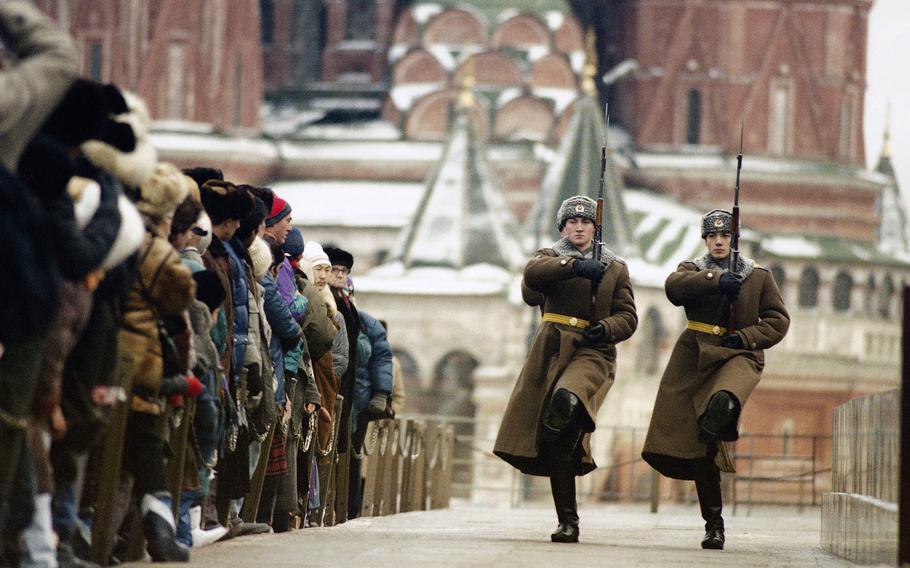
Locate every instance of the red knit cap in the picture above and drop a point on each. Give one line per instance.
(280, 210)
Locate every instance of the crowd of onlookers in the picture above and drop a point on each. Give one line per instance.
(153, 318)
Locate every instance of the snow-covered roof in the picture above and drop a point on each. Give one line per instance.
(190, 144)
(350, 203)
(463, 218)
(476, 280)
(830, 249)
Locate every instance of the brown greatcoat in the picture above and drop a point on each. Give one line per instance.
(699, 366)
(554, 360)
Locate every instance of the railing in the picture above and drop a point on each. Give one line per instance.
(860, 514)
(408, 466)
(772, 469)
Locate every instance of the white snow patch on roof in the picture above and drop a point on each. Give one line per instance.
(423, 12)
(554, 19)
(507, 15)
(535, 52)
(443, 55)
(358, 150)
(791, 246)
(403, 96)
(477, 280)
(174, 125)
(350, 203)
(208, 144)
(507, 95)
(644, 273)
(577, 60)
(561, 98)
(370, 130)
(397, 51)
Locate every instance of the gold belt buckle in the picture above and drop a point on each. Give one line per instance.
(716, 330)
(573, 321)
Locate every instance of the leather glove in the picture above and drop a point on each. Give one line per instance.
(377, 403)
(730, 284)
(594, 334)
(732, 341)
(591, 269)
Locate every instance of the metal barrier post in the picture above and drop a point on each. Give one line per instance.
(655, 490)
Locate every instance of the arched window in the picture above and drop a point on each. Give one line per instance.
(808, 288)
(650, 336)
(869, 298)
(693, 116)
(777, 271)
(886, 294)
(843, 288)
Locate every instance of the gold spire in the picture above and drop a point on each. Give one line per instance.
(466, 100)
(886, 146)
(589, 71)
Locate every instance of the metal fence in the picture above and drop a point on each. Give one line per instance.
(772, 469)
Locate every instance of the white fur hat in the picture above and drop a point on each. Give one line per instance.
(163, 191)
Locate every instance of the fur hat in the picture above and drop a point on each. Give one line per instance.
(85, 114)
(261, 257)
(130, 168)
(163, 192)
(314, 254)
(187, 213)
(264, 193)
(717, 221)
(202, 174)
(205, 224)
(223, 200)
(280, 210)
(579, 206)
(209, 289)
(129, 236)
(294, 245)
(340, 257)
(249, 225)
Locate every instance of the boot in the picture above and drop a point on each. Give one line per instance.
(66, 558)
(562, 484)
(707, 485)
(722, 410)
(160, 529)
(203, 537)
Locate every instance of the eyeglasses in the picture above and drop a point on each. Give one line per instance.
(340, 270)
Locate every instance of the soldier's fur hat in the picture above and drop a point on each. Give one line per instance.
(717, 221)
(576, 206)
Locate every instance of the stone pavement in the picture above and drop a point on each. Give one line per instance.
(471, 535)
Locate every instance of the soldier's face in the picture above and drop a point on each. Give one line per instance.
(580, 232)
(718, 245)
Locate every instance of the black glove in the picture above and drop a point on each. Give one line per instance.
(732, 341)
(730, 284)
(591, 269)
(594, 334)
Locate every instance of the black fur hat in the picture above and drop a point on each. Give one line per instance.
(209, 289)
(86, 112)
(223, 200)
(250, 223)
(340, 257)
(202, 174)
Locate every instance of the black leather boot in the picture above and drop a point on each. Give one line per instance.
(160, 530)
(562, 483)
(722, 409)
(707, 485)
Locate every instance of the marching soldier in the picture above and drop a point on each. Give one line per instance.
(549, 419)
(712, 370)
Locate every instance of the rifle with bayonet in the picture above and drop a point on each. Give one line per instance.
(734, 230)
(599, 220)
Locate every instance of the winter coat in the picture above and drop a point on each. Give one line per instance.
(31, 88)
(699, 366)
(216, 259)
(284, 330)
(318, 326)
(340, 347)
(555, 361)
(287, 286)
(292, 356)
(240, 292)
(192, 259)
(163, 287)
(376, 376)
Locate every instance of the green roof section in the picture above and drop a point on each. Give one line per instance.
(492, 9)
(576, 171)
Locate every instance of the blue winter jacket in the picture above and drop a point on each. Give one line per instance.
(376, 376)
(241, 296)
(283, 327)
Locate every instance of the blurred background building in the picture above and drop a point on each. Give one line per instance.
(434, 139)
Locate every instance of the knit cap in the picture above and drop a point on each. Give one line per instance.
(314, 254)
(280, 210)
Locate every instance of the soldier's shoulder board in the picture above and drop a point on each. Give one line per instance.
(759, 267)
